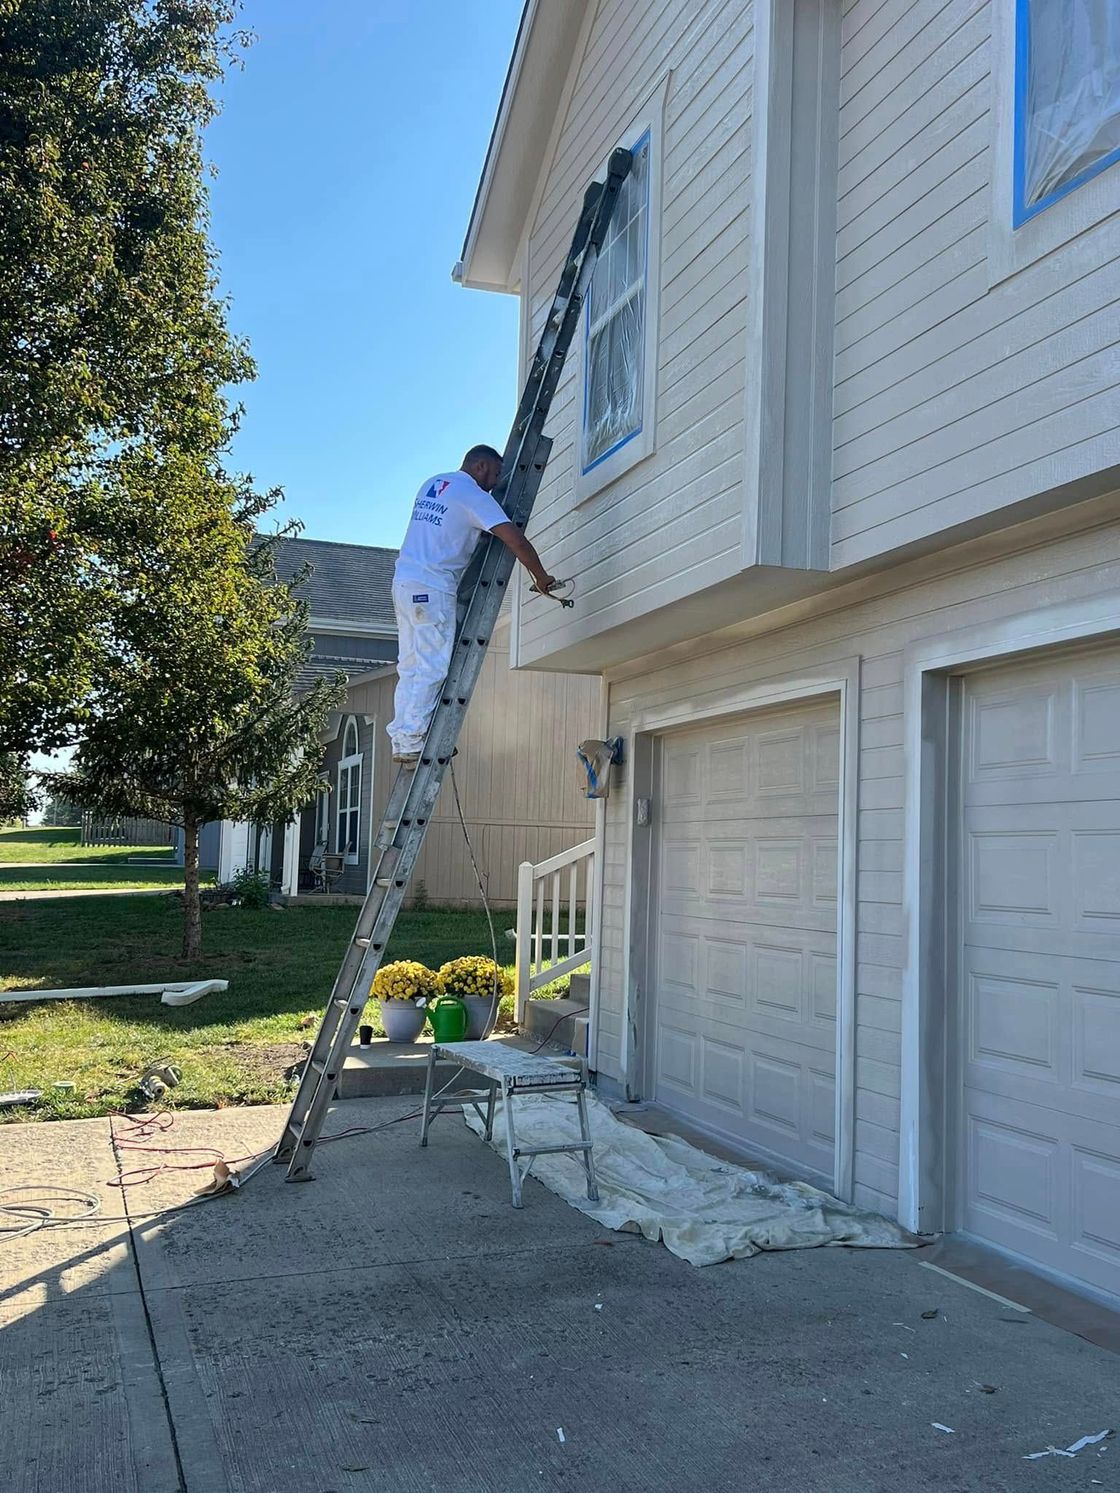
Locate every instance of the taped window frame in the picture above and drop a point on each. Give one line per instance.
(1024, 209)
(593, 475)
(1013, 248)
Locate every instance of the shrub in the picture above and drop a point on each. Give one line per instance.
(251, 888)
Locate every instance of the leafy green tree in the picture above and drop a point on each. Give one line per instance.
(16, 796)
(196, 712)
(111, 328)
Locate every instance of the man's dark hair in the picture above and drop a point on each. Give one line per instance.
(482, 453)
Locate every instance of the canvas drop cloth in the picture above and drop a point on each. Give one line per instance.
(702, 1209)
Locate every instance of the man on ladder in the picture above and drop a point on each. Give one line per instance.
(452, 511)
(436, 730)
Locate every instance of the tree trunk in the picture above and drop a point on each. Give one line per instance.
(192, 910)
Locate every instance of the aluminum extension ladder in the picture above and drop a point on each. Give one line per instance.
(415, 793)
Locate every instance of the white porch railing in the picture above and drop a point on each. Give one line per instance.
(550, 940)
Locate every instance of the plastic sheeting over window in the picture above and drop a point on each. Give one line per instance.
(615, 372)
(1069, 94)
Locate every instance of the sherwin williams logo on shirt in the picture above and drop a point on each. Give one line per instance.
(427, 510)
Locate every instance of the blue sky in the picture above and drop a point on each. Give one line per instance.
(348, 153)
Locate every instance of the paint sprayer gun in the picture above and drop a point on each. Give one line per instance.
(554, 595)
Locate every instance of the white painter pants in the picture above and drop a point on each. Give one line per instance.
(426, 637)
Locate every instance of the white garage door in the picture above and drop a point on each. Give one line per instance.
(1040, 973)
(742, 1039)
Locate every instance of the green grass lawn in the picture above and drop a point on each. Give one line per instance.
(233, 1047)
(50, 844)
(77, 878)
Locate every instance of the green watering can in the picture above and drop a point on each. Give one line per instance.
(448, 1016)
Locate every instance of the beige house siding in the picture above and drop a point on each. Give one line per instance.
(973, 366)
(956, 392)
(965, 587)
(673, 524)
(516, 772)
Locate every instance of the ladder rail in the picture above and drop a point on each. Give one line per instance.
(414, 794)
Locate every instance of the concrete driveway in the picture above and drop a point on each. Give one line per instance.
(396, 1325)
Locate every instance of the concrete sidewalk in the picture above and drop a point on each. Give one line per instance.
(396, 1325)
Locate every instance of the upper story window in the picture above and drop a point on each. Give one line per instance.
(614, 377)
(1067, 98)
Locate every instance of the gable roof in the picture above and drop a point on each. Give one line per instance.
(535, 82)
(349, 583)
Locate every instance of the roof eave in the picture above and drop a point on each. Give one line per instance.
(538, 71)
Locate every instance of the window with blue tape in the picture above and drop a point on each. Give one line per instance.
(1067, 98)
(614, 353)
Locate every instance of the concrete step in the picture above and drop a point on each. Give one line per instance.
(562, 1023)
(580, 990)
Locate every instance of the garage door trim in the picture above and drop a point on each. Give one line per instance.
(840, 680)
(929, 664)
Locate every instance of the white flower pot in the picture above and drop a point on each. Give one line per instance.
(402, 1020)
(479, 1021)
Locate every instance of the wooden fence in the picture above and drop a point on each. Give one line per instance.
(126, 831)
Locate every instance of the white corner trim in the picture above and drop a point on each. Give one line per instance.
(841, 678)
(593, 914)
(922, 1199)
(765, 355)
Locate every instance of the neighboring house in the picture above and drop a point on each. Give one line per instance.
(351, 628)
(516, 769)
(836, 466)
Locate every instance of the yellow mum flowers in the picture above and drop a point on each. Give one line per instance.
(407, 980)
(473, 974)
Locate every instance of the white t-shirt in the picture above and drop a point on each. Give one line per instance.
(449, 514)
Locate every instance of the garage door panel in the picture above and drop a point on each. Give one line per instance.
(1012, 877)
(1096, 709)
(774, 879)
(1094, 1209)
(1010, 937)
(1046, 1188)
(1039, 996)
(1012, 733)
(1096, 1042)
(1014, 1176)
(1012, 1026)
(745, 974)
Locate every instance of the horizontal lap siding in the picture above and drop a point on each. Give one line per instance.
(517, 777)
(879, 632)
(680, 510)
(952, 399)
